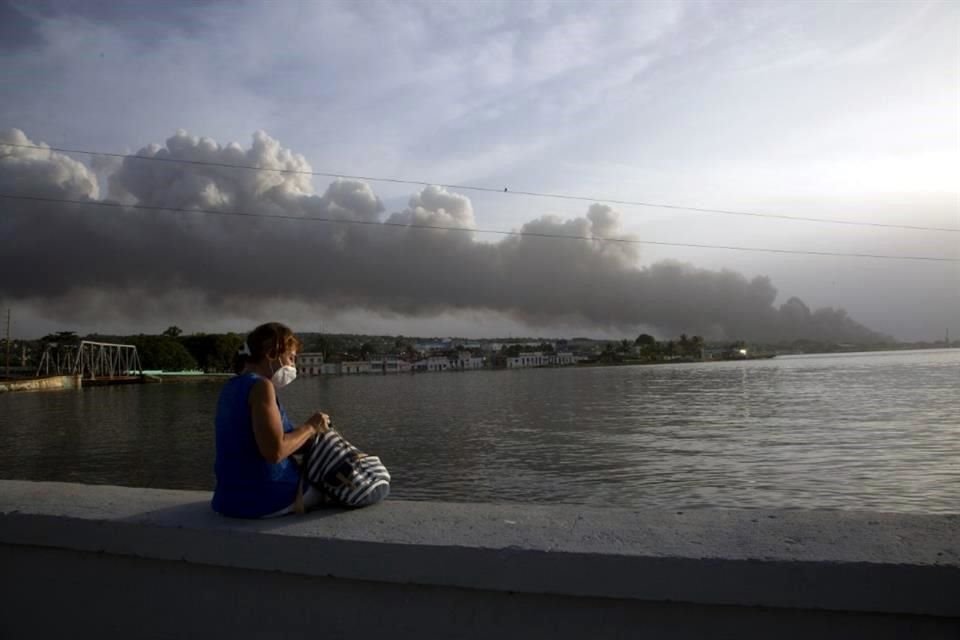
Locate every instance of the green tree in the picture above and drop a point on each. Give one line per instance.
(317, 343)
(215, 352)
(649, 348)
(696, 346)
(366, 350)
(163, 352)
(510, 351)
(645, 340)
(546, 348)
(62, 337)
(173, 332)
(610, 352)
(322, 345)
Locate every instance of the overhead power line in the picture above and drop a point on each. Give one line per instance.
(533, 234)
(463, 187)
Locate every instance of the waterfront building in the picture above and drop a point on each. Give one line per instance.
(466, 361)
(389, 364)
(539, 359)
(354, 367)
(310, 363)
(432, 363)
(524, 360)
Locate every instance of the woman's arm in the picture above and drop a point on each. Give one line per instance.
(275, 445)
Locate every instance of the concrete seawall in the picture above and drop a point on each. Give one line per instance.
(50, 383)
(156, 563)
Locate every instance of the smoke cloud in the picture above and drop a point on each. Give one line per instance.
(87, 257)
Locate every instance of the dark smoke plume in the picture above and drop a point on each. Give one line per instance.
(59, 254)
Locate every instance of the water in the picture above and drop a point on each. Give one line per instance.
(876, 431)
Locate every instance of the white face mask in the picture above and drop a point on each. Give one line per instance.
(284, 376)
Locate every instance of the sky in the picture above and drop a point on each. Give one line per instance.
(846, 111)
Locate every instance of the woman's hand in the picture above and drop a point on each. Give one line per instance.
(319, 421)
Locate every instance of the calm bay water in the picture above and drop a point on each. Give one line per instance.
(877, 431)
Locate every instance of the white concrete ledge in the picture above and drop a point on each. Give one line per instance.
(797, 560)
(49, 383)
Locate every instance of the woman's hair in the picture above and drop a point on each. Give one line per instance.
(269, 337)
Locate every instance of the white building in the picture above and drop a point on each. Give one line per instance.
(354, 367)
(389, 364)
(310, 363)
(539, 359)
(524, 360)
(466, 361)
(433, 363)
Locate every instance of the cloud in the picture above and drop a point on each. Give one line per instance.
(122, 260)
(435, 206)
(38, 172)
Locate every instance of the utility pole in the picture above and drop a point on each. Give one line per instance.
(8, 343)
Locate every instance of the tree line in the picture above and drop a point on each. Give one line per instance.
(168, 351)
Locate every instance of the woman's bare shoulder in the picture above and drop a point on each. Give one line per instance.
(262, 392)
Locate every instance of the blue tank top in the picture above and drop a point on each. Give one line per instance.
(247, 485)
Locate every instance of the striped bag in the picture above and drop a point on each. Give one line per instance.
(343, 472)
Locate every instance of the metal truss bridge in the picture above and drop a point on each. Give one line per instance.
(92, 361)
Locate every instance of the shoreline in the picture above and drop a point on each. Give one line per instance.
(57, 383)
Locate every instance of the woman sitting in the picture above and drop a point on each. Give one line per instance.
(256, 476)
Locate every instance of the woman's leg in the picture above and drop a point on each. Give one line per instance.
(312, 498)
